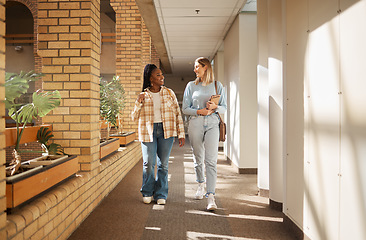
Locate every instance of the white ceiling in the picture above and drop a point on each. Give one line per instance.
(188, 35)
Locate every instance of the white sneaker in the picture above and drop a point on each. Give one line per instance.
(147, 200)
(200, 191)
(211, 205)
(161, 201)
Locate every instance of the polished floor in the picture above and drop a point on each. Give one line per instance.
(241, 214)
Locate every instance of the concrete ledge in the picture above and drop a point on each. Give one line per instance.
(56, 214)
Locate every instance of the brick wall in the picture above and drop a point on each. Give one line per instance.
(154, 56)
(69, 44)
(129, 63)
(34, 146)
(146, 45)
(68, 49)
(58, 213)
(2, 122)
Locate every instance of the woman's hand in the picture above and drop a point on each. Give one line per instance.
(211, 105)
(205, 112)
(141, 97)
(182, 141)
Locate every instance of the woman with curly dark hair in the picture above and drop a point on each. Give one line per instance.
(160, 121)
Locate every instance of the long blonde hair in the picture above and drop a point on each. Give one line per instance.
(208, 77)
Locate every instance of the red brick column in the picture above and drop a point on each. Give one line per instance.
(2, 123)
(69, 44)
(129, 64)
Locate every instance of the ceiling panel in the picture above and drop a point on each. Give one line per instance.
(197, 34)
(193, 28)
(195, 20)
(195, 3)
(190, 12)
(191, 38)
(189, 35)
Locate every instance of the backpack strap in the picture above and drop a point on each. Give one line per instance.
(216, 93)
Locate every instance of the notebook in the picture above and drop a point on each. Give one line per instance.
(215, 99)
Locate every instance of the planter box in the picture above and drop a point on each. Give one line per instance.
(21, 188)
(108, 147)
(29, 134)
(46, 160)
(125, 138)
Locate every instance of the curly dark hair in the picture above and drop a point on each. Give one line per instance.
(147, 74)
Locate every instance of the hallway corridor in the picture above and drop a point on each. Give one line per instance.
(241, 214)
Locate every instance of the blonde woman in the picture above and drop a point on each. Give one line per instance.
(160, 121)
(203, 129)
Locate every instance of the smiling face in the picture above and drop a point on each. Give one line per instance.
(199, 69)
(157, 78)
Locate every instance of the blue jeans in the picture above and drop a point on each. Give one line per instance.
(203, 132)
(159, 150)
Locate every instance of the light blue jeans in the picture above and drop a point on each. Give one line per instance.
(159, 150)
(203, 132)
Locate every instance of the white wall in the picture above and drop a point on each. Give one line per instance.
(219, 72)
(275, 86)
(231, 66)
(263, 95)
(326, 118)
(241, 78)
(248, 88)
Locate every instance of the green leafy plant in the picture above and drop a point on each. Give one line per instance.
(112, 101)
(16, 85)
(43, 136)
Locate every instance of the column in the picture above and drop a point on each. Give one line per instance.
(2, 123)
(129, 61)
(263, 108)
(69, 44)
(275, 84)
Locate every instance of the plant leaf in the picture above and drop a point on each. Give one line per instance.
(43, 135)
(18, 84)
(43, 103)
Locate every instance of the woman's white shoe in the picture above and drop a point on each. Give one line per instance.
(161, 201)
(200, 191)
(211, 205)
(147, 200)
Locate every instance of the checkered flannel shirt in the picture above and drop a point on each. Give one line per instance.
(170, 115)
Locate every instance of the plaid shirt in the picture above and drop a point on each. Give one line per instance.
(170, 115)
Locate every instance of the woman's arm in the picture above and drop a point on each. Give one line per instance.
(187, 102)
(138, 105)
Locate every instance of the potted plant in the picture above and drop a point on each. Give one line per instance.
(42, 103)
(22, 113)
(52, 152)
(111, 105)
